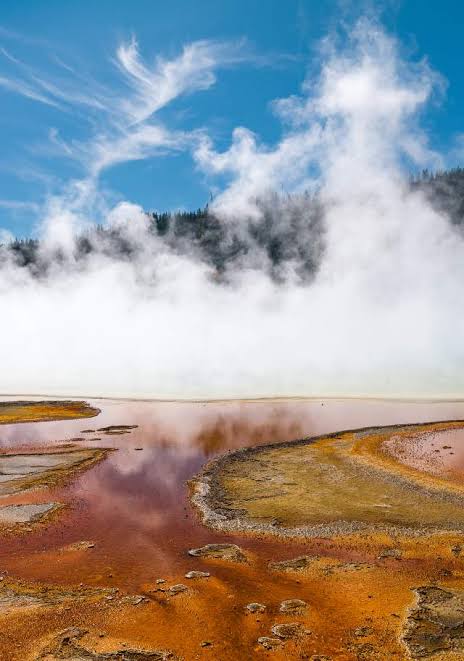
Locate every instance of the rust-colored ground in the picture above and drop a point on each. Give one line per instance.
(92, 570)
(348, 589)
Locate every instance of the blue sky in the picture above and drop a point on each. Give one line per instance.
(63, 89)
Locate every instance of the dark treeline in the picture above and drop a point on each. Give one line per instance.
(288, 234)
(289, 231)
(444, 190)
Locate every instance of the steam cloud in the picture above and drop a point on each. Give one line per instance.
(383, 313)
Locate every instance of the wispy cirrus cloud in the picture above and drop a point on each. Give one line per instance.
(133, 131)
(154, 87)
(18, 205)
(63, 93)
(26, 89)
(123, 120)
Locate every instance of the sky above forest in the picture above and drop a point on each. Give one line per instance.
(127, 94)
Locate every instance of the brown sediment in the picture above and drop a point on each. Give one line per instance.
(17, 412)
(69, 645)
(435, 623)
(335, 484)
(229, 552)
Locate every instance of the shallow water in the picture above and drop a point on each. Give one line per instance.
(134, 504)
(440, 454)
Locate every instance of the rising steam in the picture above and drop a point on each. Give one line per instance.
(381, 313)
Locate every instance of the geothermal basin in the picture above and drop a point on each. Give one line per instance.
(343, 547)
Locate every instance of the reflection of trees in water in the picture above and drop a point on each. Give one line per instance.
(231, 431)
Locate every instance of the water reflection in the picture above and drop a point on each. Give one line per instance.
(134, 505)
